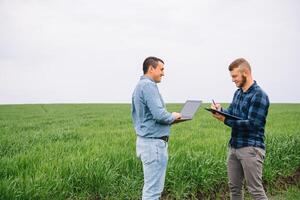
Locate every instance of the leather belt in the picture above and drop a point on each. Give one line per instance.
(164, 138)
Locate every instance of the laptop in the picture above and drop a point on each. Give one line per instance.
(188, 110)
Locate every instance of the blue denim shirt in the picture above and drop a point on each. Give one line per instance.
(149, 114)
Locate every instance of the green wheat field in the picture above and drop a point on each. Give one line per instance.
(87, 151)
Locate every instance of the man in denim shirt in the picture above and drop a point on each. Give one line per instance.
(247, 147)
(152, 124)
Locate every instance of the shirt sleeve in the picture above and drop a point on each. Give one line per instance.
(228, 110)
(256, 116)
(155, 105)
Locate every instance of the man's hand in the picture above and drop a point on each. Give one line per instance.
(219, 117)
(176, 115)
(217, 106)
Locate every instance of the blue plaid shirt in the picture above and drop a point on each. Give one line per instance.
(252, 106)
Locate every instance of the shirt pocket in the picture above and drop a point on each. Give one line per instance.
(245, 108)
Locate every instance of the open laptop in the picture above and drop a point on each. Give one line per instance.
(188, 110)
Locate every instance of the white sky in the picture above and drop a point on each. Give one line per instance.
(78, 51)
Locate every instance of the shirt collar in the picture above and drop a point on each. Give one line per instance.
(250, 88)
(146, 77)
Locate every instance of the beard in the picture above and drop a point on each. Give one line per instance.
(243, 82)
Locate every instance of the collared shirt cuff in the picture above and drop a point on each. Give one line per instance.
(228, 122)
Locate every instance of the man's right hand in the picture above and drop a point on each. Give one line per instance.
(176, 115)
(216, 106)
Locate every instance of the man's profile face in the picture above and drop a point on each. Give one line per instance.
(158, 72)
(238, 77)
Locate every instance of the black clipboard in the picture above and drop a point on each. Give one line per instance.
(229, 116)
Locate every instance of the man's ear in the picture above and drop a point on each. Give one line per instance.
(150, 68)
(247, 73)
(244, 73)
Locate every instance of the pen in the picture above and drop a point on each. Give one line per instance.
(214, 104)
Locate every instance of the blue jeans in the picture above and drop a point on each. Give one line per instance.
(154, 156)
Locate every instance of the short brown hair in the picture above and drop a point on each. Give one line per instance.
(151, 61)
(240, 62)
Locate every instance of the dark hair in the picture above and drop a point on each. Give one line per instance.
(240, 62)
(151, 61)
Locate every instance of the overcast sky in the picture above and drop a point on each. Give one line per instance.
(78, 51)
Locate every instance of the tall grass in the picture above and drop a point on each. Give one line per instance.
(87, 151)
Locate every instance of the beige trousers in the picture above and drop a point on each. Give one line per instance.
(246, 163)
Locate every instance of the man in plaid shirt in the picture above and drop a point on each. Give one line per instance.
(247, 148)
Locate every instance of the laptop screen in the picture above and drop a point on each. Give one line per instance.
(189, 109)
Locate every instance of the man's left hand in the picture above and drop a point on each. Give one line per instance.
(219, 117)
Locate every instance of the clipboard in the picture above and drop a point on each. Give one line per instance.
(229, 116)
